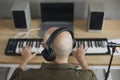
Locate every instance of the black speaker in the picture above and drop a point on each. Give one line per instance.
(95, 17)
(21, 14)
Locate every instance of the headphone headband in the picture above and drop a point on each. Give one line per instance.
(48, 53)
(55, 33)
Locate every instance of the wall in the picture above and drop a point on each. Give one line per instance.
(112, 10)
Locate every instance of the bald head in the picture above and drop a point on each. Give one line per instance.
(62, 44)
(48, 33)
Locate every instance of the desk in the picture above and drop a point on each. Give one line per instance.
(111, 29)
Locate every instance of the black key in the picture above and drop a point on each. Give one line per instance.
(19, 43)
(100, 43)
(83, 44)
(78, 43)
(35, 44)
(31, 43)
(27, 43)
(91, 43)
(96, 43)
(88, 43)
(38, 45)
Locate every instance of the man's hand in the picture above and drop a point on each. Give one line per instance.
(26, 56)
(80, 56)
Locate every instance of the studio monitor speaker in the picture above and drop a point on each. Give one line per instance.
(21, 14)
(95, 17)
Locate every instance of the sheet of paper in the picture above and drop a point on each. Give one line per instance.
(117, 51)
(117, 41)
(114, 40)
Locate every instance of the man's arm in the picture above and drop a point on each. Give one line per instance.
(80, 56)
(26, 57)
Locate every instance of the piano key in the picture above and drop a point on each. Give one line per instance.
(83, 44)
(86, 44)
(18, 44)
(39, 44)
(21, 44)
(40, 49)
(17, 47)
(98, 44)
(78, 43)
(29, 43)
(91, 43)
(24, 43)
(34, 44)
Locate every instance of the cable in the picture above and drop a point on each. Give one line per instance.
(27, 34)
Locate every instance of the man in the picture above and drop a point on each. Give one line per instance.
(58, 69)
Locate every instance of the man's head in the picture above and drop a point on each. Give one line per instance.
(60, 44)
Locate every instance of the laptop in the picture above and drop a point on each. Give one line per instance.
(56, 15)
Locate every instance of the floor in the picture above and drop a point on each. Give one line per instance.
(115, 74)
(3, 73)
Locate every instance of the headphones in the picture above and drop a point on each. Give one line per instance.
(48, 53)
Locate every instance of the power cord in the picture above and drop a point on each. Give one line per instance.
(27, 34)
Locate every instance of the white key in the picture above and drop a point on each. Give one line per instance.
(34, 49)
(24, 43)
(40, 49)
(93, 43)
(86, 45)
(76, 44)
(17, 48)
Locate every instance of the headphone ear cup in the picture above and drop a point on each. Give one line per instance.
(48, 54)
(74, 43)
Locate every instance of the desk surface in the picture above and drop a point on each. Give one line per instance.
(111, 30)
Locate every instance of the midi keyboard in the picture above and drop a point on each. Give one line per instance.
(94, 45)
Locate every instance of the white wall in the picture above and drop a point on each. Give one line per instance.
(112, 8)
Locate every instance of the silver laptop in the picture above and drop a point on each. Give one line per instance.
(56, 14)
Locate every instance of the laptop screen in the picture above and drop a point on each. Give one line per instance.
(61, 12)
